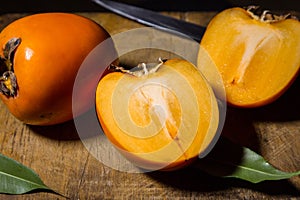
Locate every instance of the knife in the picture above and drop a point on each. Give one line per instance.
(154, 19)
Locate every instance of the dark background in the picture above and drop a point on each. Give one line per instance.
(88, 5)
(11, 6)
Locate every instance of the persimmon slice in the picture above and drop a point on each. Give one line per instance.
(258, 56)
(159, 119)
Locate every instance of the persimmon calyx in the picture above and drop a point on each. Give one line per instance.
(141, 69)
(266, 15)
(8, 80)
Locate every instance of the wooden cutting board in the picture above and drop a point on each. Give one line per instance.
(64, 164)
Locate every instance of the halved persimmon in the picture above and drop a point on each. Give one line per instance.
(41, 55)
(159, 116)
(258, 55)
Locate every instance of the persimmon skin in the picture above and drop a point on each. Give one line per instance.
(258, 58)
(140, 95)
(52, 48)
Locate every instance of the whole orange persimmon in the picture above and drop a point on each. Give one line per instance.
(40, 57)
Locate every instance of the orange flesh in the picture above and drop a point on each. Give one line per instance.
(161, 120)
(257, 60)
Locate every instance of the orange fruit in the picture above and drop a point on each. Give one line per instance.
(43, 53)
(160, 117)
(258, 56)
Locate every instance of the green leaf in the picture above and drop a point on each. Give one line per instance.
(255, 169)
(15, 178)
(231, 160)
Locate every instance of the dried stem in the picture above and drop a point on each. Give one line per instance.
(141, 69)
(266, 15)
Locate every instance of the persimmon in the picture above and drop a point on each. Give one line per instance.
(159, 116)
(256, 52)
(41, 54)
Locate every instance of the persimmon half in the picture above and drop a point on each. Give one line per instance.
(159, 116)
(256, 52)
(41, 54)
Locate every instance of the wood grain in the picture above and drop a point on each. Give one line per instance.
(57, 154)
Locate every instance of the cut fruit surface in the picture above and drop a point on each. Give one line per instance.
(257, 56)
(161, 120)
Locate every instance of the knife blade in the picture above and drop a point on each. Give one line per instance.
(154, 19)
